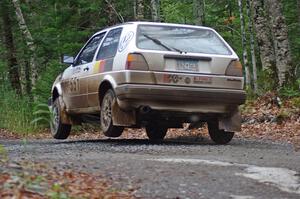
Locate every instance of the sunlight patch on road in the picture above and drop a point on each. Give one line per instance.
(193, 161)
(284, 179)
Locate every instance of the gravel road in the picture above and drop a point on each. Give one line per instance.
(244, 169)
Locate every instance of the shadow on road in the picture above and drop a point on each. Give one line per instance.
(168, 141)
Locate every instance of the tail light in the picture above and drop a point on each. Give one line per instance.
(136, 61)
(235, 68)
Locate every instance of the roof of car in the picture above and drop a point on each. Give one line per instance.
(151, 23)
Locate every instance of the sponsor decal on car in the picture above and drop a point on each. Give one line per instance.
(99, 66)
(103, 66)
(202, 80)
(125, 41)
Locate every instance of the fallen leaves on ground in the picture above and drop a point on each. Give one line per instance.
(33, 180)
(270, 118)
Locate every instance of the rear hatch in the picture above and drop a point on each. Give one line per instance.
(188, 56)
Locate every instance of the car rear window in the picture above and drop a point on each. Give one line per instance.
(170, 38)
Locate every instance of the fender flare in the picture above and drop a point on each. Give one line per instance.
(110, 79)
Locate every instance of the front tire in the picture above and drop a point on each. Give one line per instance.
(219, 136)
(156, 132)
(106, 118)
(58, 129)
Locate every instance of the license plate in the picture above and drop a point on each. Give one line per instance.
(187, 65)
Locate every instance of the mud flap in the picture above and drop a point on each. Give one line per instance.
(65, 119)
(231, 123)
(122, 118)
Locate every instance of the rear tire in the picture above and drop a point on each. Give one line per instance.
(106, 120)
(217, 135)
(58, 129)
(156, 132)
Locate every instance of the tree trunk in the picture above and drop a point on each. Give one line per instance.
(264, 41)
(155, 10)
(29, 42)
(111, 19)
(140, 10)
(198, 12)
(281, 42)
(252, 45)
(112, 14)
(244, 42)
(298, 3)
(14, 76)
(229, 2)
(134, 10)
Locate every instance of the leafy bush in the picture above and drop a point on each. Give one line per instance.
(290, 91)
(266, 81)
(42, 115)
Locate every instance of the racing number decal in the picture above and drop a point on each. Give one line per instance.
(73, 86)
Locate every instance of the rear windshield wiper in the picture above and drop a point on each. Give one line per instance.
(157, 41)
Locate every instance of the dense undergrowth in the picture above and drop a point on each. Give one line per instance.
(16, 112)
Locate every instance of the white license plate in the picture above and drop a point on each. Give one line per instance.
(187, 65)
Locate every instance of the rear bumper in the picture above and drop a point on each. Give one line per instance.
(188, 99)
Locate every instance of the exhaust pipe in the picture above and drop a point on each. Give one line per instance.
(145, 110)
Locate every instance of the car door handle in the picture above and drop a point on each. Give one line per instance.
(86, 69)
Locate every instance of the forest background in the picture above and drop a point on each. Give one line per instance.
(35, 33)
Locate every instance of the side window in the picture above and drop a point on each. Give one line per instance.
(110, 44)
(87, 54)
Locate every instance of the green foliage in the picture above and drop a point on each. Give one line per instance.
(177, 11)
(16, 112)
(290, 91)
(296, 102)
(46, 79)
(57, 192)
(266, 81)
(3, 154)
(42, 115)
(291, 13)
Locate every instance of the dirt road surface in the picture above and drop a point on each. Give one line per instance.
(244, 169)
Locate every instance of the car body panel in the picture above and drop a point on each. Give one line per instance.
(163, 87)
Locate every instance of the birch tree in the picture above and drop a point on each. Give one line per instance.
(263, 37)
(140, 10)
(199, 11)
(252, 45)
(244, 41)
(155, 10)
(280, 39)
(29, 42)
(14, 76)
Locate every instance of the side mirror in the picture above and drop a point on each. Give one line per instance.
(66, 59)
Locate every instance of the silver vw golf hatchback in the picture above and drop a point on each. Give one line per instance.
(154, 76)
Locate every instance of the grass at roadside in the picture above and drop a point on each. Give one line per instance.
(15, 112)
